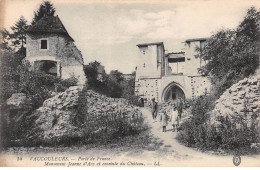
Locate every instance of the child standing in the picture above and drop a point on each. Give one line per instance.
(164, 120)
(174, 119)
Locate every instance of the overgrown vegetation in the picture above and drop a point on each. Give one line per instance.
(231, 55)
(105, 126)
(16, 77)
(198, 132)
(112, 84)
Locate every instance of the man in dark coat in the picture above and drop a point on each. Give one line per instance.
(154, 108)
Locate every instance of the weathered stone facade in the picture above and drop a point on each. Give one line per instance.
(59, 48)
(170, 76)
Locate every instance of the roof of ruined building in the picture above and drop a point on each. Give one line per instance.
(49, 24)
(196, 39)
(146, 44)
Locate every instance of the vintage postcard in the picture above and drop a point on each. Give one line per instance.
(136, 83)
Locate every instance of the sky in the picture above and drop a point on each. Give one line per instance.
(108, 32)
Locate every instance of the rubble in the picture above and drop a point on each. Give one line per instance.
(241, 100)
(16, 100)
(55, 117)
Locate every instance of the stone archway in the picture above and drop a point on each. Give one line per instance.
(46, 66)
(172, 92)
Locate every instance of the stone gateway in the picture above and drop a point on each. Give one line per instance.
(170, 76)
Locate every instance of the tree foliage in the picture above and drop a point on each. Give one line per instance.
(232, 55)
(45, 9)
(113, 84)
(5, 36)
(16, 39)
(115, 75)
(19, 36)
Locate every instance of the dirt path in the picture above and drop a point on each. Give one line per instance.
(181, 155)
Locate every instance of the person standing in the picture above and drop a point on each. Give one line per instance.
(154, 108)
(174, 119)
(179, 107)
(141, 100)
(164, 120)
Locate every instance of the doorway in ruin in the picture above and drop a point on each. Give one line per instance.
(46, 66)
(173, 92)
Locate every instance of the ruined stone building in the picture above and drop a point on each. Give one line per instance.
(50, 49)
(170, 76)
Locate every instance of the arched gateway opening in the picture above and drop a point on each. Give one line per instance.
(46, 66)
(172, 92)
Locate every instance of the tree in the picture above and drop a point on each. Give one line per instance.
(116, 76)
(9, 74)
(5, 36)
(96, 76)
(250, 25)
(113, 84)
(45, 9)
(232, 55)
(18, 37)
(128, 87)
(91, 72)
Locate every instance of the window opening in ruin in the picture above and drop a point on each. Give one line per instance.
(44, 44)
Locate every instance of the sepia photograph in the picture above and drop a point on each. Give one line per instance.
(129, 83)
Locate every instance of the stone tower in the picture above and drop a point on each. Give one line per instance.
(50, 49)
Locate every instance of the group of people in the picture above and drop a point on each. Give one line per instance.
(171, 112)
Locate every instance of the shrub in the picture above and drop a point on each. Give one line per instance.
(195, 132)
(198, 132)
(18, 78)
(82, 109)
(104, 126)
(134, 100)
(9, 75)
(72, 81)
(18, 121)
(108, 126)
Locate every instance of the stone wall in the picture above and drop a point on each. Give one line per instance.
(198, 86)
(148, 88)
(192, 63)
(150, 57)
(68, 57)
(33, 45)
(240, 104)
(192, 86)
